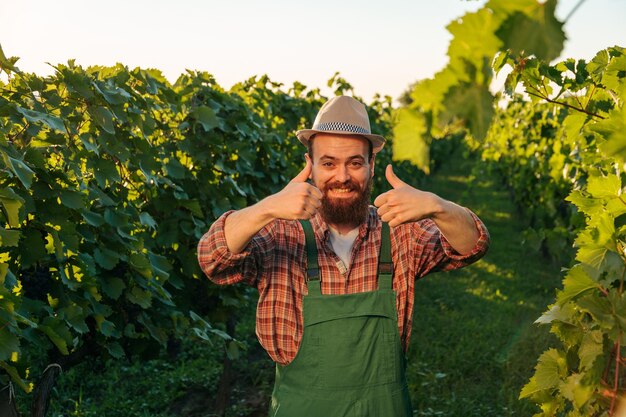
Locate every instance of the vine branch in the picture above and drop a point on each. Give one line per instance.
(569, 106)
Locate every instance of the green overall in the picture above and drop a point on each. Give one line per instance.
(350, 361)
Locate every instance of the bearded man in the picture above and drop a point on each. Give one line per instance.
(335, 275)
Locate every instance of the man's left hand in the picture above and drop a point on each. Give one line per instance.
(404, 203)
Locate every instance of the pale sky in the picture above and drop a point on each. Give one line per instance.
(379, 47)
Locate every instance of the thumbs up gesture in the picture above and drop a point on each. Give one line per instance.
(299, 200)
(404, 203)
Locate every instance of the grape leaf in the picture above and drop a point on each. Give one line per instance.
(410, 140)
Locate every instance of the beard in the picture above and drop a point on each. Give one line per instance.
(352, 211)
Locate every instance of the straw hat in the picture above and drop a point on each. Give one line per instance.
(342, 115)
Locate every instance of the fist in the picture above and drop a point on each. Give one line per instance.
(299, 200)
(403, 203)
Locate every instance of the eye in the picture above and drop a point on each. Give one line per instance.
(327, 164)
(356, 164)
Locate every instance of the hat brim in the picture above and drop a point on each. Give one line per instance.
(377, 141)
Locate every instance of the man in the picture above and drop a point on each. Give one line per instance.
(337, 331)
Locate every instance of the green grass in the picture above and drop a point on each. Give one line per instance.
(474, 344)
(473, 347)
(157, 387)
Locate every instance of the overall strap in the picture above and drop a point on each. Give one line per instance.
(313, 269)
(385, 264)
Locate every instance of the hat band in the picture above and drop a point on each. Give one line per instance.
(340, 126)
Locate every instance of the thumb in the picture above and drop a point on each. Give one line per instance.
(393, 180)
(304, 174)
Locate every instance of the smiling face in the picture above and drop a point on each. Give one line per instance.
(342, 171)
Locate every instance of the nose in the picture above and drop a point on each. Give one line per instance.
(342, 175)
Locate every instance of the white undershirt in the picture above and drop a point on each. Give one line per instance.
(342, 245)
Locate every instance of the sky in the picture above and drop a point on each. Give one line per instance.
(377, 46)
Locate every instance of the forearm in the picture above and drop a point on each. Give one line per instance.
(241, 226)
(457, 225)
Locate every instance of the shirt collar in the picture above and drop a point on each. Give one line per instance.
(320, 227)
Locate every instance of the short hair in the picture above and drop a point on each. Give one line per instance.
(370, 148)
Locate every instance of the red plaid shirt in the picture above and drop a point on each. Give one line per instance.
(275, 262)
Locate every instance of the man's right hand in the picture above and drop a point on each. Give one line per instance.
(299, 200)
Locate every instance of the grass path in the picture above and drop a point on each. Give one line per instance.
(474, 344)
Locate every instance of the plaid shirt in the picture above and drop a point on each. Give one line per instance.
(275, 262)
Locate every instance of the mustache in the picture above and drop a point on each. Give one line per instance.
(350, 185)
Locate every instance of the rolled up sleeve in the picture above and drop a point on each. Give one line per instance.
(222, 266)
(434, 253)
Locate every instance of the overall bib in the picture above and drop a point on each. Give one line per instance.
(350, 361)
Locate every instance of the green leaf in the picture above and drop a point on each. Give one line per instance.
(106, 172)
(175, 169)
(597, 65)
(605, 187)
(612, 129)
(33, 116)
(160, 265)
(600, 309)
(106, 258)
(112, 93)
(615, 75)
(72, 199)
(15, 377)
(12, 203)
(94, 219)
(410, 141)
(32, 247)
(529, 389)
(427, 95)
(89, 143)
(533, 30)
(58, 333)
(19, 168)
(590, 348)
(115, 218)
(573, 125)
(102, 197)
(88, 263)
(201, 334)
(107, 328)
(9, 237)
(78, 83)
(7, 64)
(112, 286)
(140, 297)
(232, 349)
(147, 220)
(473, 104)
(156, 332)
(576, 282)
(4, 270)
(9, 343)
(551, 367)
(547, 373)
(206, 117)
(75, 316)
(140, 263)
(597, 243)
(115, 350)
(576, 390)
(194, 205)
(103, 117)
(474, 38)
(589, 206)
(500, 60)
(561, 313)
